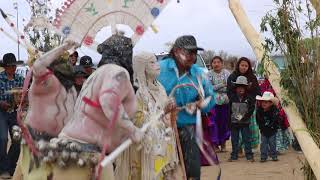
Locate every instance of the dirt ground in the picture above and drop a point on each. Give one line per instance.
(287, 168)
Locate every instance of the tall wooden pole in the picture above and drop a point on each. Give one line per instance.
(316, 5)
(308, 146)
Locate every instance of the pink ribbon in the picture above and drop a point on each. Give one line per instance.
(25, 132)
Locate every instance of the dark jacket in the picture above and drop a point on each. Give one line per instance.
(253, 89)
(269, 121)
(240, 111)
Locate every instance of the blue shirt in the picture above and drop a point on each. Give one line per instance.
(169, 78)
(7, 85)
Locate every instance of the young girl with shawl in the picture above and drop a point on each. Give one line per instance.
(158, 157)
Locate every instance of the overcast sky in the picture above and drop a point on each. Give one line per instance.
(210, 21)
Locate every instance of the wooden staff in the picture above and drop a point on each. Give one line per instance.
(173, 117)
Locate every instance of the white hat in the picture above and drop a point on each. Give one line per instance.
(268, 96)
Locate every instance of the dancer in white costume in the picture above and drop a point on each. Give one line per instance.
(158, 157)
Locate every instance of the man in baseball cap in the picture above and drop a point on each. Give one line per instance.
(180, 68)
(86, 63)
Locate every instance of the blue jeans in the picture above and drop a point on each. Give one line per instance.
(245, 133)
(268, 146)
(9, 159)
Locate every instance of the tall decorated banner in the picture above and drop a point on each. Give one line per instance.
(81, 20)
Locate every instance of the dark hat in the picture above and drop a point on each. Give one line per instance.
(79, 71)
(9, 59)
(187, 42)
(86, 61)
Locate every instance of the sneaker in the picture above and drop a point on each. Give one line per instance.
(250, 160)
(5, 175)
(263, 160)
(275, 159)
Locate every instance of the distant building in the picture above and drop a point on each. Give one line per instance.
(279, 60)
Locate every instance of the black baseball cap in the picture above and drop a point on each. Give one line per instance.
(86, 61)
(187, 42)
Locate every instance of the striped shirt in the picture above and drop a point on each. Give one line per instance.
(7, 85)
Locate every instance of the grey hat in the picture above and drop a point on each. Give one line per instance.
(241, 80)
(187, 42)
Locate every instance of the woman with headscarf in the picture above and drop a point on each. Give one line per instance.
(244, 68)
(158, 157)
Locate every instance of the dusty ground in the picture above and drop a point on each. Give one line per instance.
(287, 168)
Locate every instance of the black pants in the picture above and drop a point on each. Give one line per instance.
(9, 159)
(191, 152)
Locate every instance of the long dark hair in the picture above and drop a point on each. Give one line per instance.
(249, 71)
(64, 72)
(254, 89)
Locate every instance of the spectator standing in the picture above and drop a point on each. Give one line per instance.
(219, 130)
(244, 68)
(241, 107)
(283, 138)
(9, 79)
(80, 76)
(268, 119)
(73, 58)
(86, 63)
